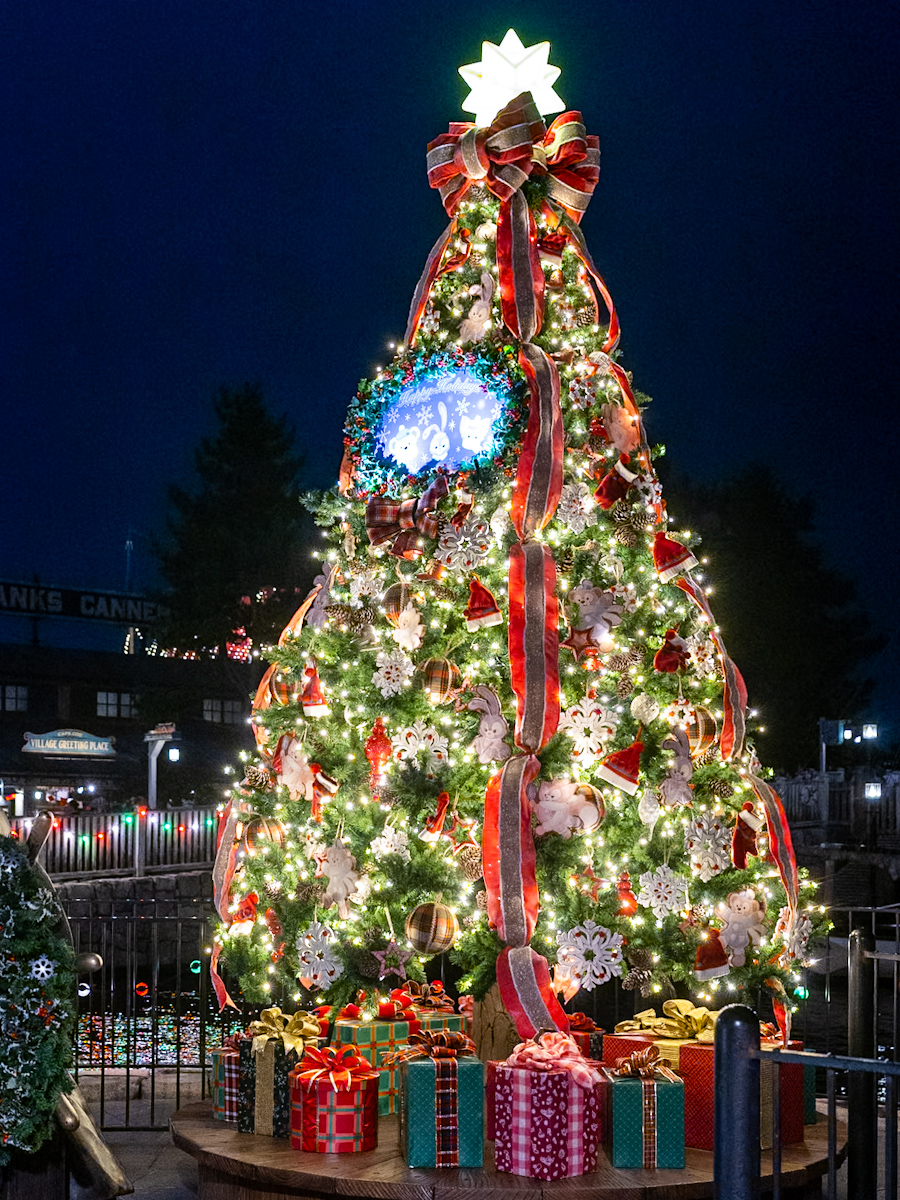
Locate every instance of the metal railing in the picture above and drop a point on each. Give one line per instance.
(864, 1078)
(146, 841)
(146, 1018)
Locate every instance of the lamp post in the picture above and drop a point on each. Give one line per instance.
(156, 739)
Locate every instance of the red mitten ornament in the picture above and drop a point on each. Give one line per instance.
(673, 655)
(615, 484)
(743, 840)
(312, 697)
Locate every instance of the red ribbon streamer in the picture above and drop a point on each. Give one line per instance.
(523, 978)
(519, 268)
(539, 473)
(534, 644)
(218, 983)
(781, 843)
(507, 849)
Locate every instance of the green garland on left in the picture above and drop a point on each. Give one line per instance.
(37, 1004)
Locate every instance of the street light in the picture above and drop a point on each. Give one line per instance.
(156, 739)
(835, 733)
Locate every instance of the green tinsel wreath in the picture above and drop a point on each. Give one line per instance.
(37, 1003)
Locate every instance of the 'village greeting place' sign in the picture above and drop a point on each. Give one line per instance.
(69, 743)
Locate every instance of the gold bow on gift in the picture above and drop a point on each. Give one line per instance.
(680, 1020)
(644, 1064)
(294, 1031)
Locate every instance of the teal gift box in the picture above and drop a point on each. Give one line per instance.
(442, 1125)
(644, 1122)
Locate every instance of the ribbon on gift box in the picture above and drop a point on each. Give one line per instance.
(554, 1051)
(402, 521)
(396, 1010)
(680, 1019)
(443, 1047)
(429, 995)
(646, 1066)
(465, 1006)
(233, 1041)
(294, 1031)
(350, 1012)
(580, 1022)
(340, 1066)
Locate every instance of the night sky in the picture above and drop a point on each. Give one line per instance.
(197, 194)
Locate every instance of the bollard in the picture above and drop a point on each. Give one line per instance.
(862, 1110)
(736, 1163)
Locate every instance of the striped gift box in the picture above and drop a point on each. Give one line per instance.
(325, 1120)
(225, 1072)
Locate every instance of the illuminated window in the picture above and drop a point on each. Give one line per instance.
(116, 704)
(15, 699)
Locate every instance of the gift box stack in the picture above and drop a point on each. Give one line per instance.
(684, 1038)
(441, 1100)
(265, 1062)
(334, 1102)
(408, 1011)
(547, 1109)
(225, 1062)
(644, 1112)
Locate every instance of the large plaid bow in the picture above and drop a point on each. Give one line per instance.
(401, 521)
(571, 158)
(430, 995)
(341, 1066)
(431, 1043)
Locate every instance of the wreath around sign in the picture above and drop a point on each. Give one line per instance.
(457, 408)
(37, 1003)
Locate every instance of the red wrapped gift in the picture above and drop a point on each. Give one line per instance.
(587, 1036)
(334, 1102)
(324, 1017)
(548, 1101)
(621, 1045)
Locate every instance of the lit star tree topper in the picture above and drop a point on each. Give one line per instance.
(507, 70)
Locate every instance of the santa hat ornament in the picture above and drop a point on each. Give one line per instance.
(671, 558)
(621, 768)
(743, 840)
(711, 961)
(312, 697)
(482, 610)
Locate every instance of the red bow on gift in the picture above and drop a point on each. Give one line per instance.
(341, 1066)
(396, 1010)
(580, 1022)
(350, 1012)
(401, 521)
(233, 1041)
(555, 1051)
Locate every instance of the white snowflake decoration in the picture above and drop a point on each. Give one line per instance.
(315, 953)
(42, 967)
(590, 953)
(363, 891)
(366, 584)
(574, 508)
(391, 841)
(464, 548)
(394, 671)
(703, 654)
(707, 839)
(415, 740)
(9, 861)
(663, 891)
(626, 595)
(590, 727)
(410, 631)
(650, 489)
(794, 934)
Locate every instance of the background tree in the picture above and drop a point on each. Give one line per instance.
(792, 621)
(237, 551)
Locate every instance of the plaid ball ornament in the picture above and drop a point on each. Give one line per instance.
(432, 928)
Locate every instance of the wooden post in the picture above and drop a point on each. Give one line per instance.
(493, 1031)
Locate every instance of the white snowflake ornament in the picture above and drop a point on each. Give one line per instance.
(574, 508)
(391, 841)
(465, 548)
(707, 839)
(393, 672)
(319, 965)
(366, 584)
(418, 741)
(590, 726)
(589, 954)
(663, 891)
(410, 631)
(703, 654)
(42, 967)
(794, 933)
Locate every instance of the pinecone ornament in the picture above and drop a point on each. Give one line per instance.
(256, 777)
(309, 893)
(629, 658)
(469, 859)
(625, 536)
(364, 963)
(584, 318)
(624, 687)
(273, 888)
(641, 974)
(357, 620)
(721, 787)
(710, 755)
(481, 901)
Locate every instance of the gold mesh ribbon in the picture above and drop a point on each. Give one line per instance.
(680, 1019)
(295, 1031)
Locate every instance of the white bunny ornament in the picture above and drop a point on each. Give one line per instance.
(488, 743)
(474, 326)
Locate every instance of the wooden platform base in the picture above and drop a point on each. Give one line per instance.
(240, 1166)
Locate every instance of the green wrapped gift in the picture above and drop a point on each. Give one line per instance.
(441, 1101)
(644, 1119)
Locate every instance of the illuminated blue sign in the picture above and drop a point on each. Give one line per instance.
(444, 420)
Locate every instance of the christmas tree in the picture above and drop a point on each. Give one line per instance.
(504, 722)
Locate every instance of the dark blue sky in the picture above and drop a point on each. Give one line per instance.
(204, 193)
